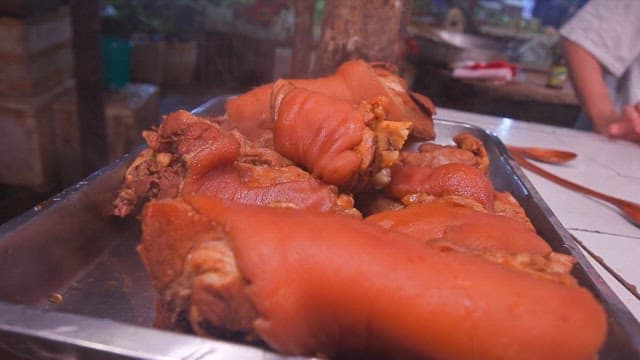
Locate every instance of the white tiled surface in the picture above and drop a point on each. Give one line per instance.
(606, 165)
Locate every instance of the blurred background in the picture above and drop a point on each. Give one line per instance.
(81, 79)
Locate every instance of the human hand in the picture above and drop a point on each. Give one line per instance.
(628, 124)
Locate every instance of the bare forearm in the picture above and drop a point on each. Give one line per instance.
(587, 77)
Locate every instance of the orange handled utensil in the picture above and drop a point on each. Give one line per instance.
(551, 156)
(630, 209)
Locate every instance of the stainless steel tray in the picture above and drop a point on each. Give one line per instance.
(71, 246)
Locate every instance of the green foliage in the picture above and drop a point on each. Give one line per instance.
(175, 19)
(231, 3)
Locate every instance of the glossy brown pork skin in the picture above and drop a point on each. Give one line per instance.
(354, 81)
(189, 155)
(334, 285)
(444, 170)
(468, 150)
(444, 180)
(327, 136)
(448, 220)
(352, 147)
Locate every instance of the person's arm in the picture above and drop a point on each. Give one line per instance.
(628, 125)
(588, 81)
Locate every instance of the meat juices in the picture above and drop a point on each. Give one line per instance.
(320, 283)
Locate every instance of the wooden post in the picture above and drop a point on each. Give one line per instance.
(302, 38)
(89, 83)
(372, 30)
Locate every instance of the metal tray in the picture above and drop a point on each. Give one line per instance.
(70, 246)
